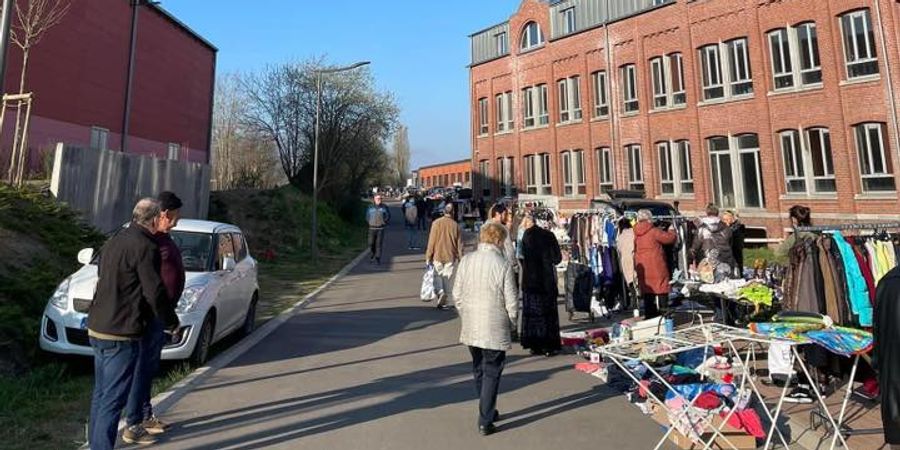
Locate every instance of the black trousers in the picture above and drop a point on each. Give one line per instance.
(376, 242)
(651, 310)
(487, 366)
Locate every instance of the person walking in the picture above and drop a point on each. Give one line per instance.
(445, 249)
(139, 416)
(625, 248)
(378, 216)
(130, 293)
(650, 262)
(487, 301)
(713, 244)
(540, 314)
(738, 233)
(422, 211)
(411, 221)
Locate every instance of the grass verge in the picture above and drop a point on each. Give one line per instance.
(47, 405)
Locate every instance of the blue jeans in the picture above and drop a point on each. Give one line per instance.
(412, 236)
(138, 408)
(114, 364)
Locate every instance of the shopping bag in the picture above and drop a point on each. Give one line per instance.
(428, 292)
(598, 309)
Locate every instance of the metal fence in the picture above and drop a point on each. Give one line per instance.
(104, 185)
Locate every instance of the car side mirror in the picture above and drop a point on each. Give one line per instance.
(85, 256)
(228, 264)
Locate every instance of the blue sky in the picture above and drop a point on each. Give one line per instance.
(419, 51)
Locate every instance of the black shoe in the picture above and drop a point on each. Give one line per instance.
(377, 261)
(487, 430)
(496, 416)
(799, 395)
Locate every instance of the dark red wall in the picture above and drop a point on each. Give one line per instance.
(78, 73)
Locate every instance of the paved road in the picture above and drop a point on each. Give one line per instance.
(369, 366)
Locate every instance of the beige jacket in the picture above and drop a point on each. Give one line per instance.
(445, 243)
(486, 299)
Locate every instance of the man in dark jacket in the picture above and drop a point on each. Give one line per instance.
(738, 232)
(139, 416)
(130, 293)
(887, 353)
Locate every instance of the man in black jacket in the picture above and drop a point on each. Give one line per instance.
(130, 294)
(139, 416)
(887, 354)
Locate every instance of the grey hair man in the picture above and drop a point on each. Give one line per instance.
(445, 250)
(129, 281)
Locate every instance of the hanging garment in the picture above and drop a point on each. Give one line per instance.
(859, 295)
(625, 245)
(828, 282)
(886, 358)
(866, 270)
(873, 259)
(884, 259)
(805, 298)
(840, 279)
(579, 284)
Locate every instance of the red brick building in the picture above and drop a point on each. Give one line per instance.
(754, 105)
(446, 174)
(79, 76)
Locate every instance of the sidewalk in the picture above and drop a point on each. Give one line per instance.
(367, 365)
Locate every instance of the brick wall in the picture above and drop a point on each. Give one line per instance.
(686, 26)
(446, 175)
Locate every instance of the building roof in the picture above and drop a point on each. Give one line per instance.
(182, 25)
(469, 160)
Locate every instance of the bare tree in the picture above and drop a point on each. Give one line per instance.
(32, 22)
(401, 153)
(356, 120)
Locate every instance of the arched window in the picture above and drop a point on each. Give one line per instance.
(532, 36)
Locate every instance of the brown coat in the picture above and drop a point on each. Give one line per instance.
(650, 259)
(445, 241)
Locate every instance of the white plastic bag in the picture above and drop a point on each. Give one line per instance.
(597, 308)
(428, 292)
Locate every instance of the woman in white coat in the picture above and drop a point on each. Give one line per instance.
(487, 302)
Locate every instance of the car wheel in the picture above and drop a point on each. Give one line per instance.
(250, 319)
(204, 341)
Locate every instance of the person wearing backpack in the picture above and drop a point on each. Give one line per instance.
(378, 216)
(713, 243)
(411, 216)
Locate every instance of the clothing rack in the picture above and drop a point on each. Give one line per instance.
(848, 226)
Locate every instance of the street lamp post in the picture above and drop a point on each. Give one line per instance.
(315, 208)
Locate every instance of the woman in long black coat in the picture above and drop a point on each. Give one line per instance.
(887, 353)
(540, 314)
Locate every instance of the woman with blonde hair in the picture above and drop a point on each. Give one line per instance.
(487, 302)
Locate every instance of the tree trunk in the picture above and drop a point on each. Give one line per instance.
(25, 52)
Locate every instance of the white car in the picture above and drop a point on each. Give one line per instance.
(220, 295)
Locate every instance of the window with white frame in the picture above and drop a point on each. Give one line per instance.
(502, 43)
(808, 164)
(505, 120)
(675, 171)
(628, 75)
(506, 176)
(531, 36)
(484, 172)
(573, 173)
(174, 151)
(537, 174)
(605, 169)
(601, 94)
(794, 52)
(726, 71)
(534, 106)
(568, 20)
(99, 138)
(569, 99)
(635, 167)
(483, 127)
(859, 44)
(667, 73)
(875, 165)
(736, 171)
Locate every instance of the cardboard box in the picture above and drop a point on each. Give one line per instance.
(739, 438)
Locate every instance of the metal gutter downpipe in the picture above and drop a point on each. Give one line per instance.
(126, 115)
(890, 81)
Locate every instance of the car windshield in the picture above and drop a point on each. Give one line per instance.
(196, 250)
